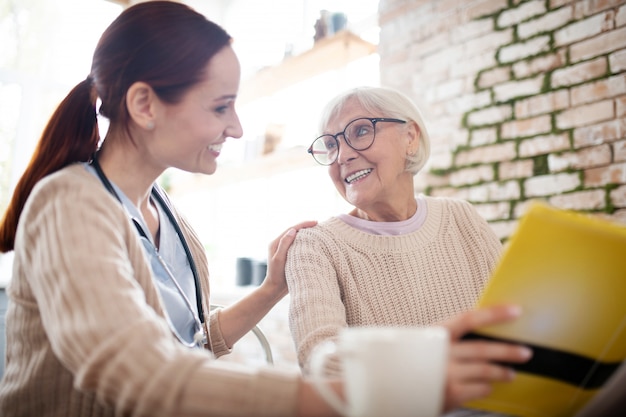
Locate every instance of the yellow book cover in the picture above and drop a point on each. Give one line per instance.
(568, 273)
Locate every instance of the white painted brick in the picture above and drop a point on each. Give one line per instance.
(620, 106)
(609, 87)
(503, 229)
(481, 137)
(447, 192)
(587, 114)
(617, 61)
(479, 8)
(599, 45)
(547, 22)
(600, 133)
(459, 105)
(577, 74)
(509, 190)
(541, 104)
(489, 115)
(497, 211)
(472, 175)
(486, 154)
(611, 174)
(471, 30)
(620, 17)
(473, 64)
(515, 169)
(511, 89)
(581, 200)
(542, 145)
(443, 60)
(523, 50)
(494, 76)
(526, 127)
(580, 30)
(540, 64)
(588, 8)
(584, 158)
(619, 151)
(619, 217)
(487, 43)
(618, 196)
(442, 160)
(451, 88)
(547, 185)
(518, 14)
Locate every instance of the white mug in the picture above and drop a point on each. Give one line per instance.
(387, 371)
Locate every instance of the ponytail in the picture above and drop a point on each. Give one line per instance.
(71, 135)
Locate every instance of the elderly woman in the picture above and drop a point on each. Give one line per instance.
(396, 258)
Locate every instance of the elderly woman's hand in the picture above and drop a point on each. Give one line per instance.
(475, 364)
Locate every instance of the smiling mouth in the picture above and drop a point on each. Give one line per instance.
(217, 147)
(358, 175)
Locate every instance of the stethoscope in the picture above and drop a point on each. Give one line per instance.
(199, 337)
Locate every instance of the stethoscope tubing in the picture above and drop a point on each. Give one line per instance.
(200, 337)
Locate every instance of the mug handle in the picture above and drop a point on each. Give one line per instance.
(319, 356)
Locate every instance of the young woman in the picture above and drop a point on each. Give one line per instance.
(109, 297)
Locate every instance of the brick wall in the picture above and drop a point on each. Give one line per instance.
(523, 99)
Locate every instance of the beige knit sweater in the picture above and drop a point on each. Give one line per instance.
(339, 276)
(86, 334)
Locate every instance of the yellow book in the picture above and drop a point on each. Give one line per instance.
(568, 273)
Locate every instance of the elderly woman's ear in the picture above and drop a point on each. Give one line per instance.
(413, 132)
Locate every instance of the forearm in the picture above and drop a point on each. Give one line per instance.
(239, 318)
(311, 404)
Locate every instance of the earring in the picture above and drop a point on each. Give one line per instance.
(150, 125)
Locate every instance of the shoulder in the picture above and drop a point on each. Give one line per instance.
(460, 216)
(448, 202)
(455, 213)
(72, 179)
(325, 230)
(454, 207)
(71, 190)
(327, 235)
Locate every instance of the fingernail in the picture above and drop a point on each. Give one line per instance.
(515, 311)
(526, 353)
(510, 374)
(291, 232)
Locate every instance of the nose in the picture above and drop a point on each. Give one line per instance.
(345, 152)
(234, 129)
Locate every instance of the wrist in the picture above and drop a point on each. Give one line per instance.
(271, 293)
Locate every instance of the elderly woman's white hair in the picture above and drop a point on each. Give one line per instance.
(384, 102)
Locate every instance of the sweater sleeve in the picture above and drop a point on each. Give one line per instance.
(316, 311)
(103, 317)
(478, 237)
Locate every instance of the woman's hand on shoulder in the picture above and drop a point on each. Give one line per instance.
(475, 364)
(277, 257)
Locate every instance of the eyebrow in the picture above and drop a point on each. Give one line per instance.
(226, 97)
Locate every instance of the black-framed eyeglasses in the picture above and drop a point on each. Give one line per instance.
(359, 134)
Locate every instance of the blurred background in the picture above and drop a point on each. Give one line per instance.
(524, 100)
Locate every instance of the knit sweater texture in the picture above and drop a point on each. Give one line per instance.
(85, 327)
(339, 276)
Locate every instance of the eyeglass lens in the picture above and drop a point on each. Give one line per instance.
(358, 134)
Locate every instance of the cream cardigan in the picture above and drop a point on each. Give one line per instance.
(339, 276)
(86, 334)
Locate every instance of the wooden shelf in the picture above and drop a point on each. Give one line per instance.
(327, 54)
